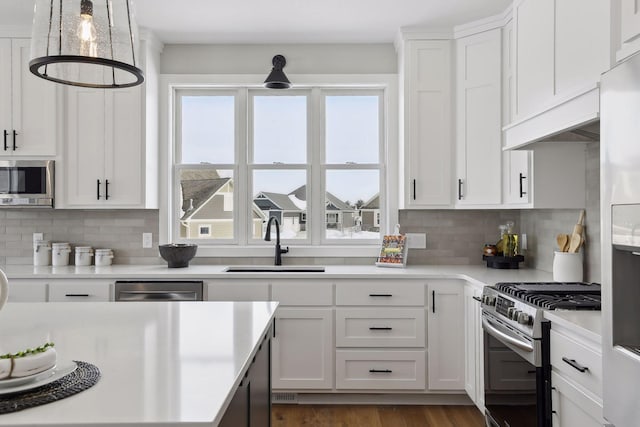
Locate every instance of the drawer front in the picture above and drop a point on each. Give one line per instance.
(308, 293)
(380, 370)
(79, 292)
(380, 293)
(380, 327)
(569, 357)
(27, 291)
(572, 407)
(237, 291)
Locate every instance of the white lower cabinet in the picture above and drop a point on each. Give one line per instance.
(303, 348)
(24, 290)
(80, 291)
(380, 369)
(445, 335)
(302, 352)
(473, 345)
(572, 407)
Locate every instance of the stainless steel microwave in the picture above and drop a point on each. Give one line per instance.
(26, 183)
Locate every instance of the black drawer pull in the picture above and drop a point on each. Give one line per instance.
(76, 295)
(477, 299)
(575, 364)
(6, 147)
(380, 328)
(533, 371)
(380, 371)
(381, 295)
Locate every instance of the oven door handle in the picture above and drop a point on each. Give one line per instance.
(492, 330)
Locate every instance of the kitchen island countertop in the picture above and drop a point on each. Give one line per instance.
(162, 364)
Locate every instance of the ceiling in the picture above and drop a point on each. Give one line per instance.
(287, 21)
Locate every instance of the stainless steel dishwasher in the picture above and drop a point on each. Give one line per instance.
(165, 290)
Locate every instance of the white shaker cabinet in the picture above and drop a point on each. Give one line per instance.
(302, 346)
(426, 114)
(474, 345)
(629, 28)
(105, 167)
(478, 117)
(445, 335)
(29, 105)
(26, 290)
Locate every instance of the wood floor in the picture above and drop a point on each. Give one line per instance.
(375, 416)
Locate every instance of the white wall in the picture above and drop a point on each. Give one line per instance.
(301, 59)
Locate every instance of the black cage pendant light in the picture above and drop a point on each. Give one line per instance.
(277, 79)
(86, 43)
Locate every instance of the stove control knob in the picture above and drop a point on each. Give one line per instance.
(510, 312)
(524, 318)
(515, 314)
(492, 300)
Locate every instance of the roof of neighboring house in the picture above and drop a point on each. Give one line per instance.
(372, 203)
(280, 201)
(199, 186)
(301, 194)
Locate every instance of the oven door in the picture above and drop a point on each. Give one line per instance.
(516, 386)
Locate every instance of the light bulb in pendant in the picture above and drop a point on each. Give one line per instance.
(86, 33)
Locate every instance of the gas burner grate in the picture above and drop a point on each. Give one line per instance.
(555, 295)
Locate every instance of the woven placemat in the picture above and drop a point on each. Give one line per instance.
(84, 377)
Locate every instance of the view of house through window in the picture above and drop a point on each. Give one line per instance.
(270, 148)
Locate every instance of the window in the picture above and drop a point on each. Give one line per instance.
(312, 158)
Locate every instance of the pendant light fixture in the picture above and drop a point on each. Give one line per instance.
(277, 79)
(86, 43)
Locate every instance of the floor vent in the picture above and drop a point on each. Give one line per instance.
(284, 398)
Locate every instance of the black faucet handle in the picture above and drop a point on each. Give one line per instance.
(285, 250)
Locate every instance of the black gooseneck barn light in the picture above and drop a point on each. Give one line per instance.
(86, 43)
(277, 79)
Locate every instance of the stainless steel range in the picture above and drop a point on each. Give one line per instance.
(516, 347)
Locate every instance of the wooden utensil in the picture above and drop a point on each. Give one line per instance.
(563, 242)
(576, 242)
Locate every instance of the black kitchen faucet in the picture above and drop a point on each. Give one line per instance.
(267, 237)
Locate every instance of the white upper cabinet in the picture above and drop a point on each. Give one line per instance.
(28, 105)
(629, 28)
(478, 119)
(426, 134)
(104, 148)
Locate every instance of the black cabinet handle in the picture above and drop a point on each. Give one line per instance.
(380, 328)
(106, 189)
(433, 301)
(459, 189)
(76, 295)
(274, 327)
(414, 189)
(6, 147)
(575, 364)
(380, 295)
(522, 192)
(477, 299)
(14, 140)
(380, 371)
(98, 190)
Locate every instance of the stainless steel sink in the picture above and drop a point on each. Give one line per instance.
(274, 269)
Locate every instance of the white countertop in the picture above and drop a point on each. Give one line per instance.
(478, 274)
(162, 364)
(584, 322)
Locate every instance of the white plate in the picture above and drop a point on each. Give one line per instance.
(59, 371)
(23, 380)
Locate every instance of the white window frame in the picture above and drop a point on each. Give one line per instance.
(169, 83)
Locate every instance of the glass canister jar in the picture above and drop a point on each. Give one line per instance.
(103, 257)
(41, 252)
(60, 254)
(83, 255)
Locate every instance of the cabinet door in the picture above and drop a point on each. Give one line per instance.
(124, 160)
(5, 94)
(478, 111)
(630, 25)
(80, 291)
(428, 123)
(21, 290)
(35, 106)
(85, 147)
(303, 349)
(534, 23)
(572, 407)
(474, 346)
(445, 337)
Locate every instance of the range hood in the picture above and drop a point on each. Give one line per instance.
(575, 119)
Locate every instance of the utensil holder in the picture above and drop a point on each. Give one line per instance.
(567, 267)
